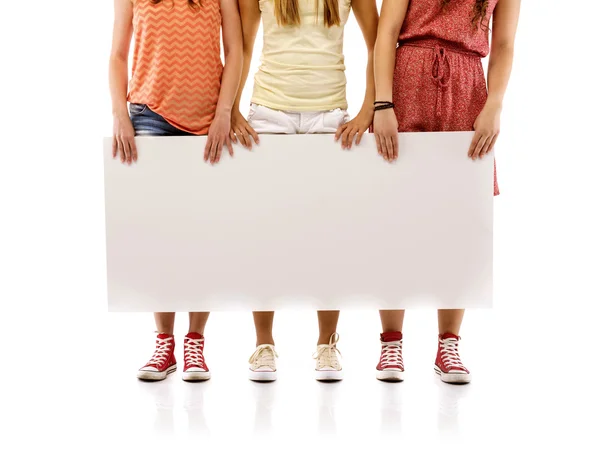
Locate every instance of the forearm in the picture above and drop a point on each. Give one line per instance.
(118, 78)
(370, 90)
(247, 60)
(384, 63)
(368, 20)
(230, 80)
(499, 69)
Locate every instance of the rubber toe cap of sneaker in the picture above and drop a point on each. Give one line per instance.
(262, 369)
(195, 370)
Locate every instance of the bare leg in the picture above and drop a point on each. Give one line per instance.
(263, 323)
(198, 322)
(164, 322)
(327, 325)
(391, 320)
(449, 321)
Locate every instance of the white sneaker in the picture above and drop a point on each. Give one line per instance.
(262, 364)
(328, 363)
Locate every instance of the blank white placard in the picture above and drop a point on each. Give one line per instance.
(298, 222)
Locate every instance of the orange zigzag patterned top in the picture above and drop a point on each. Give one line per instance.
(177, 61)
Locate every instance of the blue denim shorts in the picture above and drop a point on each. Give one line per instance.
(148, 123)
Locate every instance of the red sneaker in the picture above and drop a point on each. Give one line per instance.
(195, 368)
(447, 363)
(391, 365)
(162, 362)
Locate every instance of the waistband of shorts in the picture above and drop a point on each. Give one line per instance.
(433, 43)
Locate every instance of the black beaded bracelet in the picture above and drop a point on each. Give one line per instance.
(382, 106)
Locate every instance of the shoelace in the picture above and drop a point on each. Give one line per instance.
(449, 353)
(326, 354)
(193, 354)
(162, 352)
(391, 354)
(264, 356)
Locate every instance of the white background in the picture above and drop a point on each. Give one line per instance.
(67, 365)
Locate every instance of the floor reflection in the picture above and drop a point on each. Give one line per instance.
(264, 398)
(449, 401)
(391, 407)
(193, 404)
(444, 407)
(327, 397)
(162, 394)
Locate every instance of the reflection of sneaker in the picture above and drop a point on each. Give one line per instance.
(447, 363)
(391, 365)
(162, 362)
(193, 405)
(328, 363)
(264, 397)
(262, 364)
(195, 368)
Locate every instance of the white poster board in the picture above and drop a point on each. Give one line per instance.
(299, 222)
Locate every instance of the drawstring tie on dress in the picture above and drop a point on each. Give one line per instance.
(441, 69)
(439, 75)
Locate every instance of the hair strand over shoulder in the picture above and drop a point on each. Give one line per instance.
(287, 12)
(479, 18)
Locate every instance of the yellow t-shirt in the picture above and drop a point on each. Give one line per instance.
(302, 67)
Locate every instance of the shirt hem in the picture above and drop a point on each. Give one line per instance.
(158, 110)
(288, 108)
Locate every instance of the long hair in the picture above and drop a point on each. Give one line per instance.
(479, 18)
(192, 3)
(287, 12)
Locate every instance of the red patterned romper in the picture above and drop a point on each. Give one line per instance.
(439, 84)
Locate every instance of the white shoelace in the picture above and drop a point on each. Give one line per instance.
(391, 354)
(327, 354)
(162, 352)
(450, 355)
(193, 354)
(264, 356)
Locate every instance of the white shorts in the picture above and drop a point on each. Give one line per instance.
(265, 120)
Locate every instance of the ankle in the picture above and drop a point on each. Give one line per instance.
(265, 340)
(448, 333)
(324, 339)
(390, 336)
